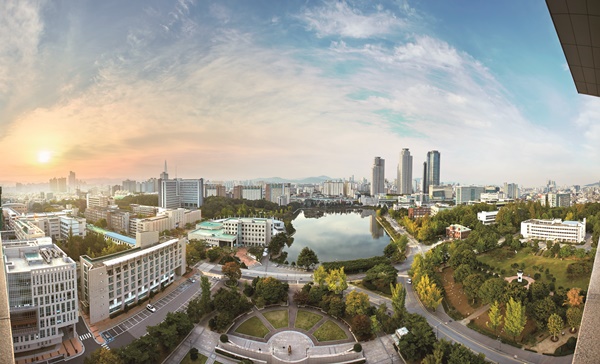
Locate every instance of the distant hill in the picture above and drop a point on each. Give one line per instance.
(309, 180)
(595, 184)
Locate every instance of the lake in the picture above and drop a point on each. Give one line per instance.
(338, 236)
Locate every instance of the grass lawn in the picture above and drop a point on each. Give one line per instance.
(503, 258)
(277, 318)
(187, 360)
(330, 331)
(306, 320)
(253, 327)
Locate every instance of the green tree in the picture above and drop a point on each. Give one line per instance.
(462, 272)
(380, 277)
(495, 317)
(103, 356)
(492, 290)
(337, 281)
(357, 303)
(574, 316)
(320, 275)
(541, 310)
(232, 271)
(471, 285)
(420, 338)
(555, 325)
(398, 300)
(194, 310)
(205, 295)
(515, 319)
(375, 325)
(307, 258)
(271, 290)
(429, 293)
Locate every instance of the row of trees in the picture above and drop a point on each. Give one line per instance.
(215, 206)
(92, 244)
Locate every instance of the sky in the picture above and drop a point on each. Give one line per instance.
(235, 90)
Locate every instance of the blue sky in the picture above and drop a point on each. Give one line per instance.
(246, 89)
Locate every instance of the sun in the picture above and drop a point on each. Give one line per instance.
(44, 156)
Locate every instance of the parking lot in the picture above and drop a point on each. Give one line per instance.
(110, 334)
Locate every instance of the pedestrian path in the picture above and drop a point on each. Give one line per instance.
(86, 336)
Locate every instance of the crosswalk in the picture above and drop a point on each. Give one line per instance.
(85, 336)
(105, 346)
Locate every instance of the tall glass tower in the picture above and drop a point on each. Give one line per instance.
(433, 168)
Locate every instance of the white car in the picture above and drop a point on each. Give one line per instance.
(409, 281)
(151, 308)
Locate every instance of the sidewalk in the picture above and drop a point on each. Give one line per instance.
(67, 349)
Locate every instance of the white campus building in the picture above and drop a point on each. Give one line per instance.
(42, 293)
(111, 282)
(487, 217)
(567, 231)
(233, 231)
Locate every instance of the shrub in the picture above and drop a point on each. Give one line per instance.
(194, 354)
(537, 276)
(224, 338)
(357, 347)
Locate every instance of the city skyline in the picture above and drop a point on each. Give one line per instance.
(239, 90)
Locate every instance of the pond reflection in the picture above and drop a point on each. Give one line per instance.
(338, 236)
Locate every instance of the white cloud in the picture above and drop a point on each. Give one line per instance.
(339, 18)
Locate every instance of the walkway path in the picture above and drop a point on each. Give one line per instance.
(478, 312)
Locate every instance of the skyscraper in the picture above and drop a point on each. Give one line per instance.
(405, 173)
(378, 181)
(433, 168)
(179, 192)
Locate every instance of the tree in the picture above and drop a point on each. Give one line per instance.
(555, 325)
(375, 325)
(232, 271)
(471, 285)
(574, 298)
(495, 317)
(337, 281)
(103, 356)
(430, 294)
(574, 316)
(398, 300)
(380, 277)
(320, 275)
(492, 290)
(307, 258)
(515, 319)
(194, 310)
(541, 310)
(420, 338)
(271, 290)
(357, 303)
(361, 326)
(205, 295)
(462, 272)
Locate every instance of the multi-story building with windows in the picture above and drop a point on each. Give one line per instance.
(567, 231)
(42, 293)
(214, 190)
(242, 231)
(274, 192)
(176, 193)
(164, 220)
(404, 180)
(466, 194)
(111, 282)
(558, 199)
(378, 176)
(334, 188)
(116, 220)
(487, 217)
(97, 200)
(248, 192)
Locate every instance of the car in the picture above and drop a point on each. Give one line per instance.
(409, 281)
(151, 308)
(191, 280)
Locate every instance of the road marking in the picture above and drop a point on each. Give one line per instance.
(105, 346)
(85, 336)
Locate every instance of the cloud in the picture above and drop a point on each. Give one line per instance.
(340, 19)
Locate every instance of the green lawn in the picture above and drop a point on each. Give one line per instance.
(187, 360)
(253, 327)
(330, 331)
(503, 258)
(277, 318)
(306, 320)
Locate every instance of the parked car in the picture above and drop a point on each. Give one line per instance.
(409, 281)
(151, 308)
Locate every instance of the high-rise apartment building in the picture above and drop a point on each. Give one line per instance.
(248, 192)
(404, 180)
(334, 188)
(559, 199)
(42, 293)
(129, 185)
(214, 190)
(511, 190)
(378, 179)
(277, 192)
(176, 193)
